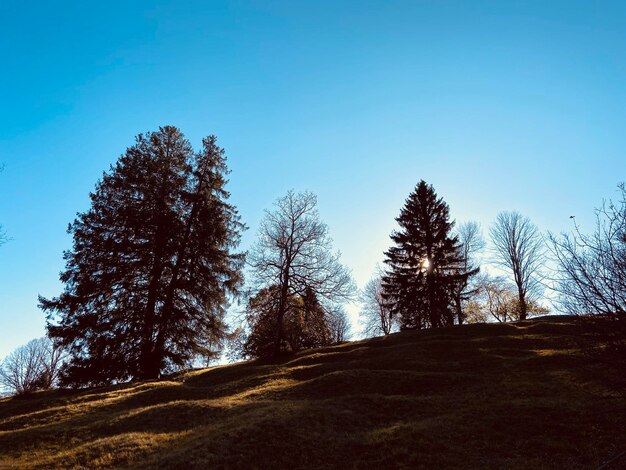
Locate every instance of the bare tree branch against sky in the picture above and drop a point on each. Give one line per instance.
(519, 248)
(500, 105)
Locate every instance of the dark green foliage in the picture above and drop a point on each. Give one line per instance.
(425, 265)
(147, 280)
(306, 323)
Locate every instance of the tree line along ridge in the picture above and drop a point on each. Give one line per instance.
(155, 263)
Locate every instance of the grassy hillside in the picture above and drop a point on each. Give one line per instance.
(523, 395)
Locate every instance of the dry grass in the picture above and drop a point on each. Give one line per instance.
(482, 396)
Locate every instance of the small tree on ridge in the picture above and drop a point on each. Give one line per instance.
(293, 259)
(519, 248)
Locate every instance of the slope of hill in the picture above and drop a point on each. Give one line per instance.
(524, 395)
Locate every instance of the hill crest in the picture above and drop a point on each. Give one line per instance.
(514, 395)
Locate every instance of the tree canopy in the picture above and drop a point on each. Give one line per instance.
(293, 261)
(147, 281)
(519, 249)
(376, 316)
(33, 366)
(591, 268)
(306, 323)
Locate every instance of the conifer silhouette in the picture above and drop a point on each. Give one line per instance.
(425, 265)
(147, 280)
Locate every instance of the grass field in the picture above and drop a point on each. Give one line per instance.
(495, 396)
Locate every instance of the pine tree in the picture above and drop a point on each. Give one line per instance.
(425, 265)
(151, 267)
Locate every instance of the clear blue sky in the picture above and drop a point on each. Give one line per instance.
(500, 105)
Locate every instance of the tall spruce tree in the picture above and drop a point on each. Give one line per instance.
(425, 265)
(152, 264)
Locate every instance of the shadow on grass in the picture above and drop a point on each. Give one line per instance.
(479, 396)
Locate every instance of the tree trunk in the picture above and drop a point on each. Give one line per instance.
(523, 307)
(158, 351)
(459, 309)
(282, 308)
(146, 358)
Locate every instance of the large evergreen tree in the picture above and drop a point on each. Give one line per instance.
(425, 265)
(147, 280)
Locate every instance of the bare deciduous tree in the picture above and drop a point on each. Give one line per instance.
(591, 273)
(294, 253)
(375, 313)
(497, 299)
(472, 243)
(339, 325)
(591, 279)
(519, 248)
(34, 366)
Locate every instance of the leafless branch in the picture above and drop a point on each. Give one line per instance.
(34, 366)
(294, 252)
(519, 248)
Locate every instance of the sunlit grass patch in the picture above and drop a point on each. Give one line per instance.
(105, 452)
